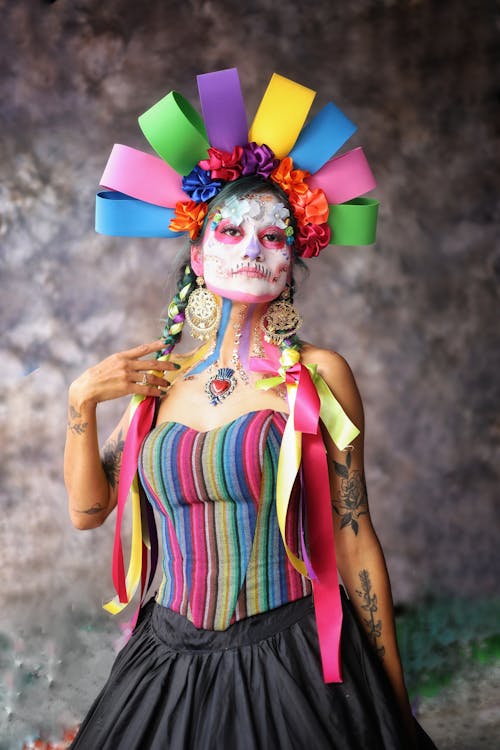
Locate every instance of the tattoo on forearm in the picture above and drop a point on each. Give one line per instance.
(111, 457)
(352, 500)
(96, 508)
(77, 428)
(373, 627)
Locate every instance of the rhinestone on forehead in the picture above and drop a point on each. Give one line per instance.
(238, 209)
(253, 206)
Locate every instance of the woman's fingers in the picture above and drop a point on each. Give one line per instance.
(143, 349)
(147, 383)
(124, 372)
(152, 364)
(147, 378)
(134, 355)
(147, 390)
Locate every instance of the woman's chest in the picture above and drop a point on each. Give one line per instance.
(211, 398)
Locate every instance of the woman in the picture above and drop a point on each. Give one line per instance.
(240, 647)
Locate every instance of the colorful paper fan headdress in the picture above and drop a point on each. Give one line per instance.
(167, 195)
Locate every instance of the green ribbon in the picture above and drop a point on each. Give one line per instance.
(176, 132)
(341, 429)
(354, 222)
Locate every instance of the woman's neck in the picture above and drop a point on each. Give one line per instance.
(239, 336)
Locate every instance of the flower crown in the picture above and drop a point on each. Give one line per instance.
(147, 196)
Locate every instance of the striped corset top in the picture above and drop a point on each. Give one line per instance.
(223, 556)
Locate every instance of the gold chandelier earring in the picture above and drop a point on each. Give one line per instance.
(202, 312)
(281, 320)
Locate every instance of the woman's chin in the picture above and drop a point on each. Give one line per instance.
(246, 297)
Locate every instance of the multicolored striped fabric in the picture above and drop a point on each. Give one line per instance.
(223, 557)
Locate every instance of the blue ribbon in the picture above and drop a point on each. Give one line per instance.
(321, 138)
(119, 215)
(224, 320)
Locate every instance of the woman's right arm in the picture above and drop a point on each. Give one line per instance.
(91, 478)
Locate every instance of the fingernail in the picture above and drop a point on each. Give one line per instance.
(177, 367)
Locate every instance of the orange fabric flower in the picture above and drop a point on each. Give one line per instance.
(288, 178)
(310, 207)
(189, 217)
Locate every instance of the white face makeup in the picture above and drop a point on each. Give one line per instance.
(245, 256)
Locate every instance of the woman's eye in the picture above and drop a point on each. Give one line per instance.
(273, 237)
(228, 233)
(231, 231)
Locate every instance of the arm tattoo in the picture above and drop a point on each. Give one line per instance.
(374, 628)
(111, 457)
(77, 428)
(96, 508)
(352, 501)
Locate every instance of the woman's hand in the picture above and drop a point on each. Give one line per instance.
(122, 374)
(92, 483)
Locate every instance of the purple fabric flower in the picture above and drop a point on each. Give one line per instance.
(199, 185)
(258, 160)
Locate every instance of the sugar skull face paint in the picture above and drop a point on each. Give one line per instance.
(244, 254)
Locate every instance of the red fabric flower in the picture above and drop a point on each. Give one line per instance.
(310, 207)
(189, 217)
(290, 179)
(311, 239)
(222, 165)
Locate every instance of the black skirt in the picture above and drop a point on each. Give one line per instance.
(256, 686)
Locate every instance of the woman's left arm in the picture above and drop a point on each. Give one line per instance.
(360, 558)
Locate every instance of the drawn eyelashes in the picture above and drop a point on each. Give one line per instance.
(231, 233)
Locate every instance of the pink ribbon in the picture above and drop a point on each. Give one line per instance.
(344, 177)
(143, 176)
(326, 591)
(306, 415)
(137, 431)
(307, 403)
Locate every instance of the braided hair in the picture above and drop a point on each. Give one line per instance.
(174, 323)
(293, 341)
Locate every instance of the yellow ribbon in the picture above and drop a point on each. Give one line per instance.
(288, 466)
(281, 115)
(340, 428)
(134, 569)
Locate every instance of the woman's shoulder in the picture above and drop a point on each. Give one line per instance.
(330, 363)
(336, 372)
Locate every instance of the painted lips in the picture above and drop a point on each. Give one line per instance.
(252, 271)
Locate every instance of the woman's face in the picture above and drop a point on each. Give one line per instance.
(244, 256)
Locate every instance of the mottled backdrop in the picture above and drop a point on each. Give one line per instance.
(416, 315)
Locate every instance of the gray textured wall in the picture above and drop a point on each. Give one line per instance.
(416, 316)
